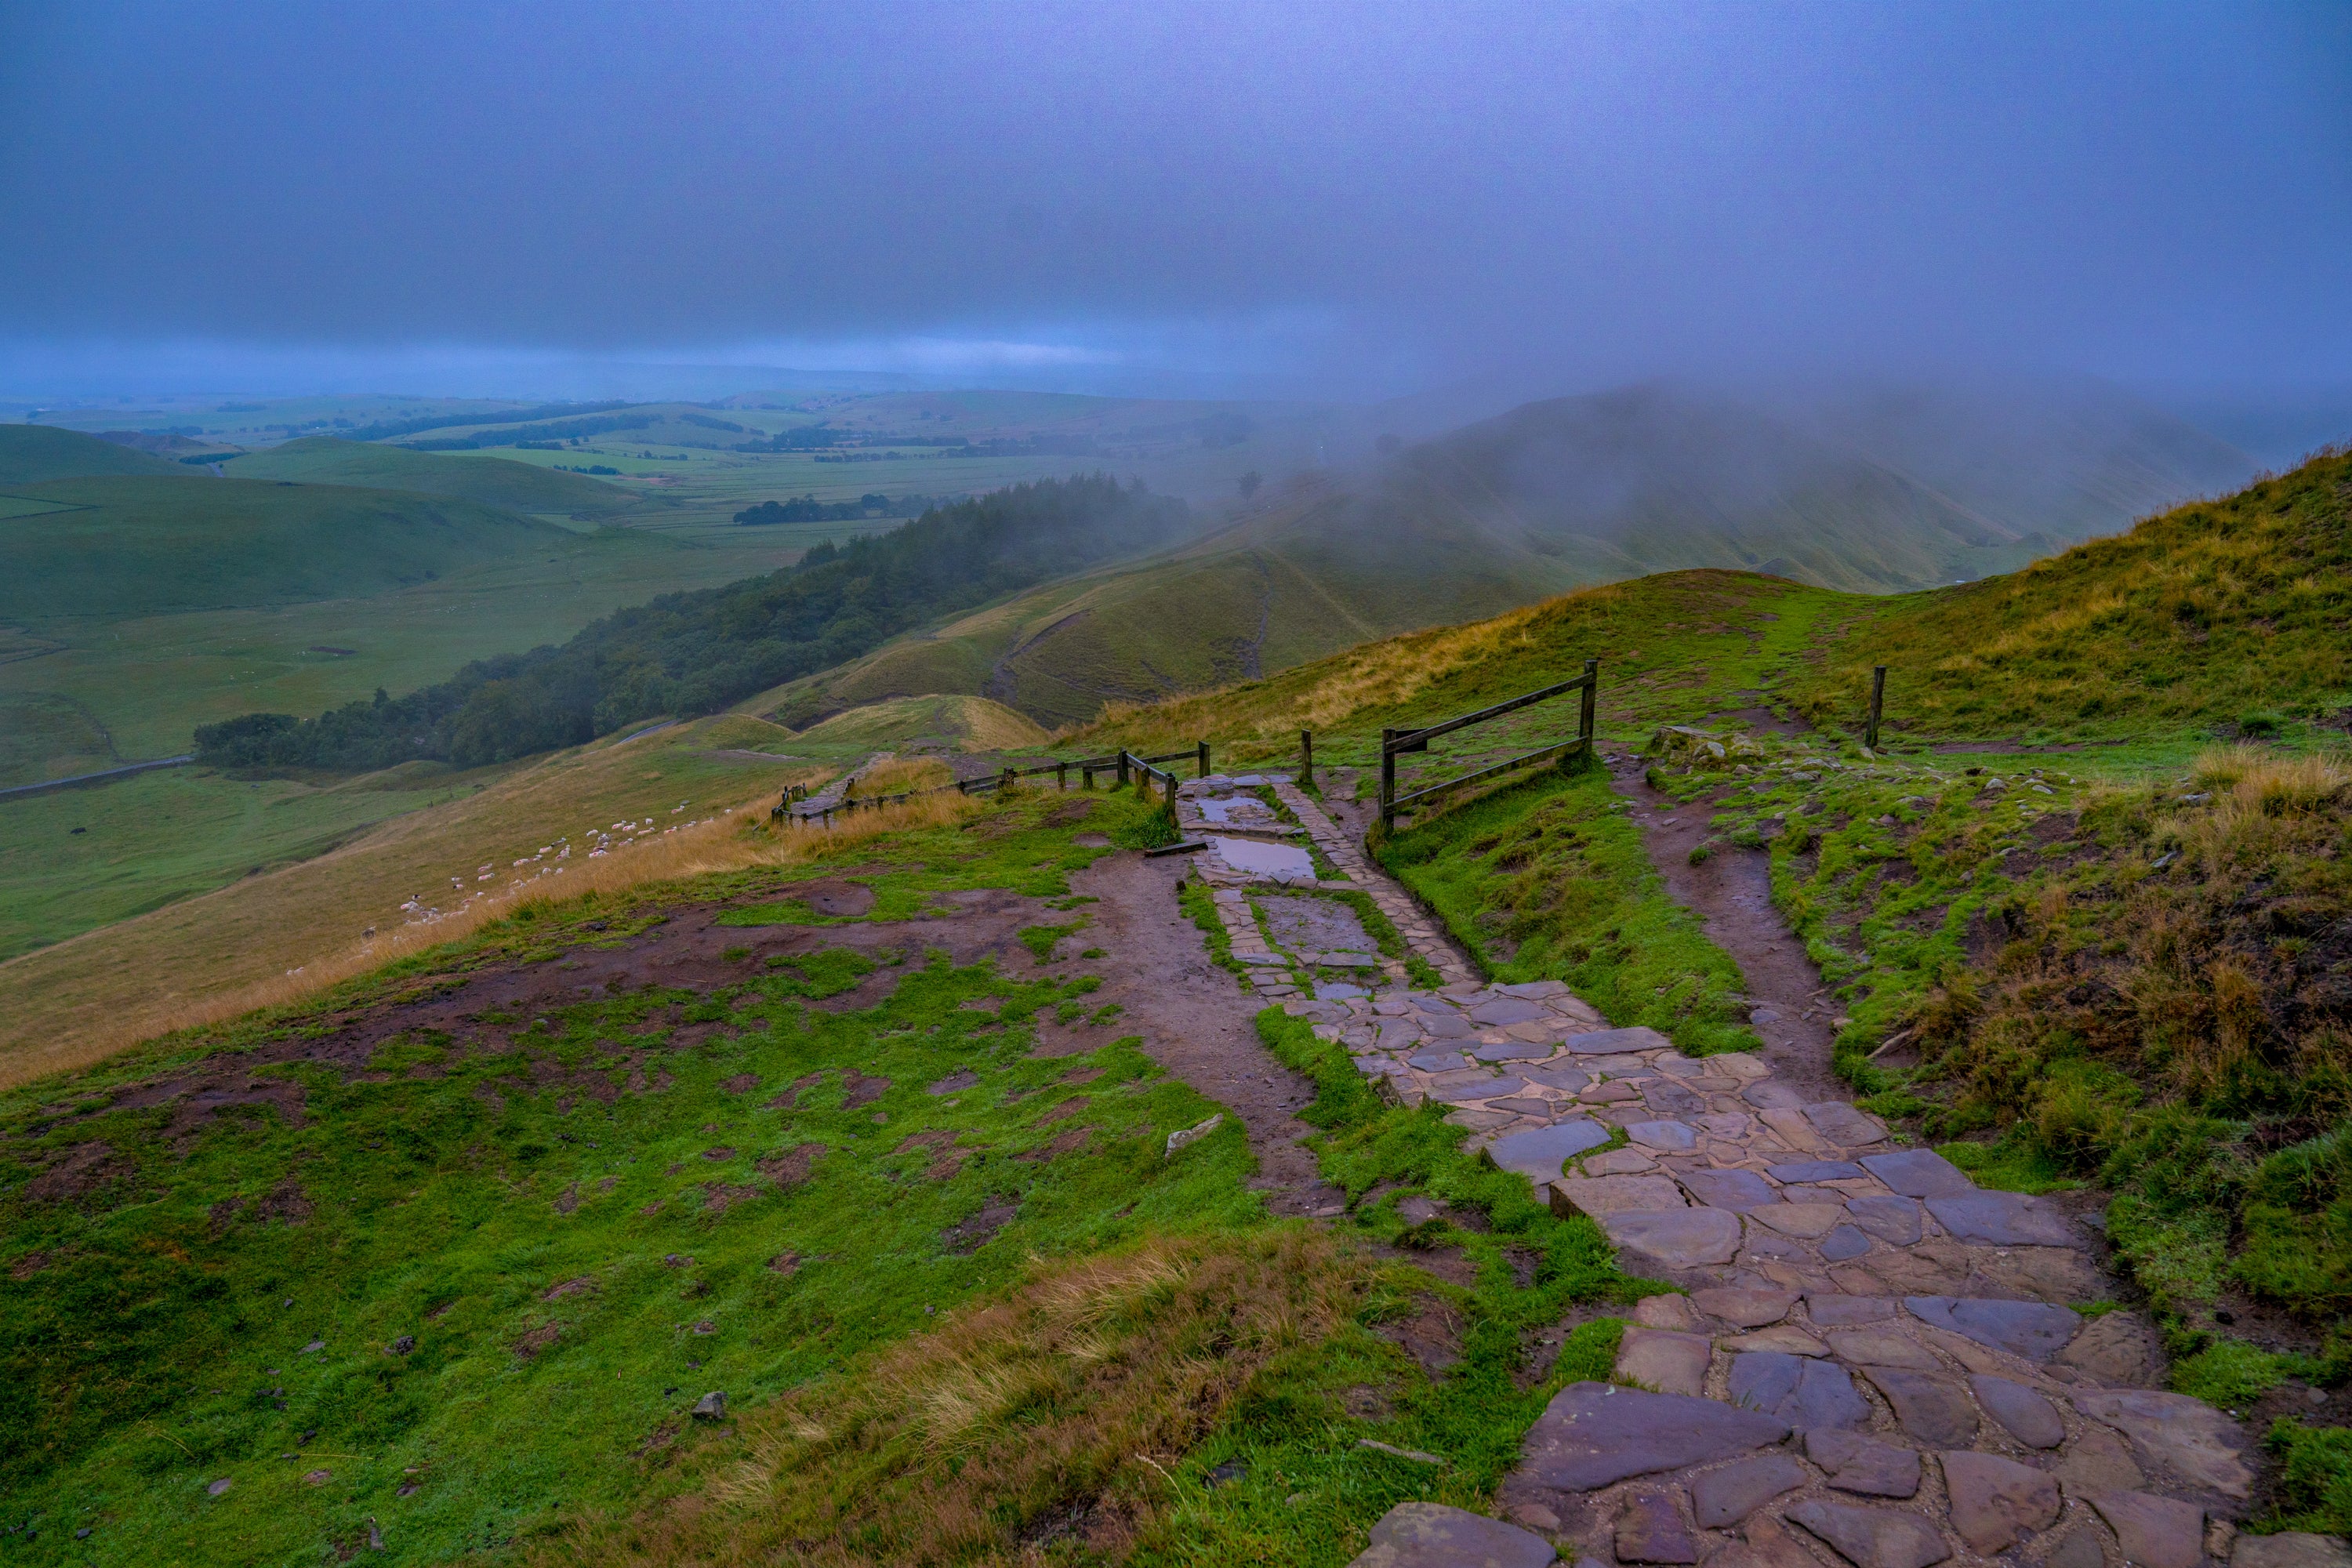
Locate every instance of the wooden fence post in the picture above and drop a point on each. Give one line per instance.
(1388, 783)
(1005, 784)
(1591, 703)
(1306, 756)
(1204, 760)
(1122, 767)
(1061, 775)
(1877, 700)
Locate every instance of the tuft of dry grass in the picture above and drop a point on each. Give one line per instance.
(1063, 1401)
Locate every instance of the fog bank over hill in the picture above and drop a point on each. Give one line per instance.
(1877, 489)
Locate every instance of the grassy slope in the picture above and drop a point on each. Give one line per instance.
(443, 1191)
(1294, 584)
(141, 684)
(968, 723)
(93, 987)
(2206, 615)
(492, 482)
(140, 546)
(37, 454)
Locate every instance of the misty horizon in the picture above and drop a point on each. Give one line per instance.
(1209, 201)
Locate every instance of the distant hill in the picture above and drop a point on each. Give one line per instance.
(1293, 582)
(35, 454)
(137, 546)
(492, 482)
(1557, 494)
(1874, 492)
(2216, 619)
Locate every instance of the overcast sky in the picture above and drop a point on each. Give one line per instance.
(1360, 199)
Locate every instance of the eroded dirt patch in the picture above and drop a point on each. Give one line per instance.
(1732, 893)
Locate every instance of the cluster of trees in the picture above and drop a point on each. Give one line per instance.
(697, 652)
(808, 508)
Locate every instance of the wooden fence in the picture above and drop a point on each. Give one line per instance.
(1128, 766)
(1395, 742)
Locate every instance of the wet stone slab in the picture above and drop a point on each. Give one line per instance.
(1593, 1435)
(1323, 926)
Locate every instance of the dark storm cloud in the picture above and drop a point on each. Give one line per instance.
(2144, 191)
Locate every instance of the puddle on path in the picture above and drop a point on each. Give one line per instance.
(1279, 862)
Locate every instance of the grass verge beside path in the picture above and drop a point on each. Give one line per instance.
(2137, 980)
(1545, 880)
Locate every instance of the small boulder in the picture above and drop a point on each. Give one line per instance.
(711, 1406)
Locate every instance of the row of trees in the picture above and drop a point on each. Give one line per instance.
(697, 652)
(808, 508)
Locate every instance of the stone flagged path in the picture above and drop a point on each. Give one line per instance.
(1868, 1361)
(1234, 865)
(1871, 1362)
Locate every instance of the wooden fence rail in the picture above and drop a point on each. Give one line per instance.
(1394, 742)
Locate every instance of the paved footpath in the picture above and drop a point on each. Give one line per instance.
(1867, 1362)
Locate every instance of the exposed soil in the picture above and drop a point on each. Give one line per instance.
(1198, 1024)
(1732, 893)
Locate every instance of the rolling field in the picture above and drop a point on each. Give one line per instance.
(74, 859)
(142, 546)
(498, 483)
(147, 680)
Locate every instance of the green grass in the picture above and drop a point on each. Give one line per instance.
(158, 838)
(563, 1204)
(37, 454)
(2315, 1477)
(1307, 1493)
(492, 482)
(436, 1209)
(445, 1188)
(1544, 880)
(144, 546)
(2203, 616)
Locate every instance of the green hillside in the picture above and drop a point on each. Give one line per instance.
(2118, 961)
(963, 723)
(2225, 615)
(1293, 584)
(140, 546)
(490, 482)
(35, 453)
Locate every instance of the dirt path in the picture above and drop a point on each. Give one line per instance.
(1732, 893)
(1198, 1024)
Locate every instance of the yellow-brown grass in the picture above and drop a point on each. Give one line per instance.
(736, 839)
(942, 1447)
(273, 939)
(1266, 717)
